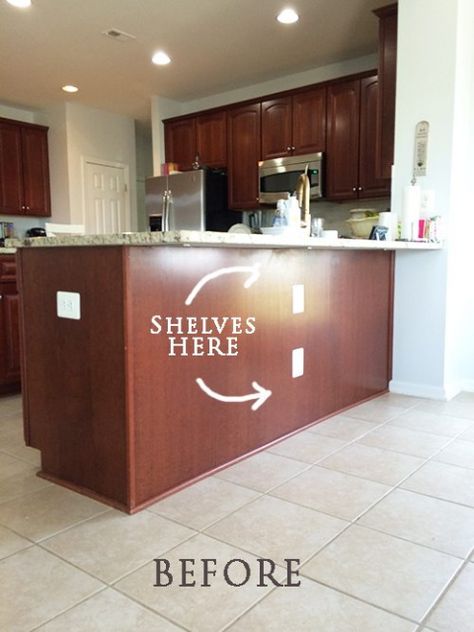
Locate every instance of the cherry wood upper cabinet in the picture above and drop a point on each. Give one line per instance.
(294, 124)
(24, 169)
(180, 142)
(388, 24)
(342, 158)
(211, 140)
(11, 185)
(370, 185)
(243, 154)
(277, 128)
(309, 121)
(35, 171)
(351, 171)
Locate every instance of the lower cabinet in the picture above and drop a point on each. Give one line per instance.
(9, 328)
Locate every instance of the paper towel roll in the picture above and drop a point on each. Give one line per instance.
(386, 219)
(411, 211)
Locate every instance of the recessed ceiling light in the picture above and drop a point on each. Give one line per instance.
(21, 4)
(160, 58)
(288, 16)
(70, 88)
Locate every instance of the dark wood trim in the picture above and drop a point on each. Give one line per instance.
(23, 124)
(383, 12)
(129, 384)
(221, 468)
(85, 491)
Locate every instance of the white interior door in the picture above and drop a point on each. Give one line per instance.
(106, 199)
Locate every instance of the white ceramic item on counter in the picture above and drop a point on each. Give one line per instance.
(330, 234)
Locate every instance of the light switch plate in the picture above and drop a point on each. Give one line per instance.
(297, 369)
(68, 305)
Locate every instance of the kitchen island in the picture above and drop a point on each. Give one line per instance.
(165, 357)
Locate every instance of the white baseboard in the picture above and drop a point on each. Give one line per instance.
(443, 393)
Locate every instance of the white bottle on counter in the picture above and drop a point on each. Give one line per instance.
(294, 213)
(411, 212)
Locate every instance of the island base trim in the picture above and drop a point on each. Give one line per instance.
(132, 509)
(85, 491)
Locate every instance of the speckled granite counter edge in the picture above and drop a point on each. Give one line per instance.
(196, 238)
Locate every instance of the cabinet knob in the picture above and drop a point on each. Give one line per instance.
(288, 148)
(27, 208)
(293, 148)
(354, 189)
(23, 207)
(360, 188)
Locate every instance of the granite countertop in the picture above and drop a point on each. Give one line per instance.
(197, 238)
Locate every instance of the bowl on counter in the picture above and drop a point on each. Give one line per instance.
(361, 227)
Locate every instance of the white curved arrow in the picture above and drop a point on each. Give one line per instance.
(253, 270)
(260, 395)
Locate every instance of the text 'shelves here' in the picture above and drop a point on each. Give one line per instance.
(203, 335)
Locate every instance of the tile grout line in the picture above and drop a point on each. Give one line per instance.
(445, 590)
(59, 614)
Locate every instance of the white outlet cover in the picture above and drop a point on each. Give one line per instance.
(297, 364)
(68, 305)
(298, 299)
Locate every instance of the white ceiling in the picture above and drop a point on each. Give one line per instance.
(215, 45)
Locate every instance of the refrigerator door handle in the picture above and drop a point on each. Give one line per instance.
(165, 211)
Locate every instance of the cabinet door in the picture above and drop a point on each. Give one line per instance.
(276, 128)
(180, 142)
(243, 154)
(9, 334)
(343, 140)
(309, 121)
(388, 17)
(36, 195)
(369, 184)
(11, 186)
(211, 139)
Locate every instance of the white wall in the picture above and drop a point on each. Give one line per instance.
(430, 86)
(100, 135)
(165, 108)
(55, 118)
(144, 153)
(460, 297)
(17, 113)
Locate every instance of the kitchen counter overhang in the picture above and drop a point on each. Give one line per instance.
(216, 239)
(184, 360)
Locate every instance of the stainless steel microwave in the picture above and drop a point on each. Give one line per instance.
(278, 177)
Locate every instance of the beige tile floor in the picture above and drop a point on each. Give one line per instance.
(377, 503)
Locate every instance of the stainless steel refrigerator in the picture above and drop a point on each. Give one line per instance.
(191, 200)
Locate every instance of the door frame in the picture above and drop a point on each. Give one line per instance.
(85, 160)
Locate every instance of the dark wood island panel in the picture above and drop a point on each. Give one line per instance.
(117, 417)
